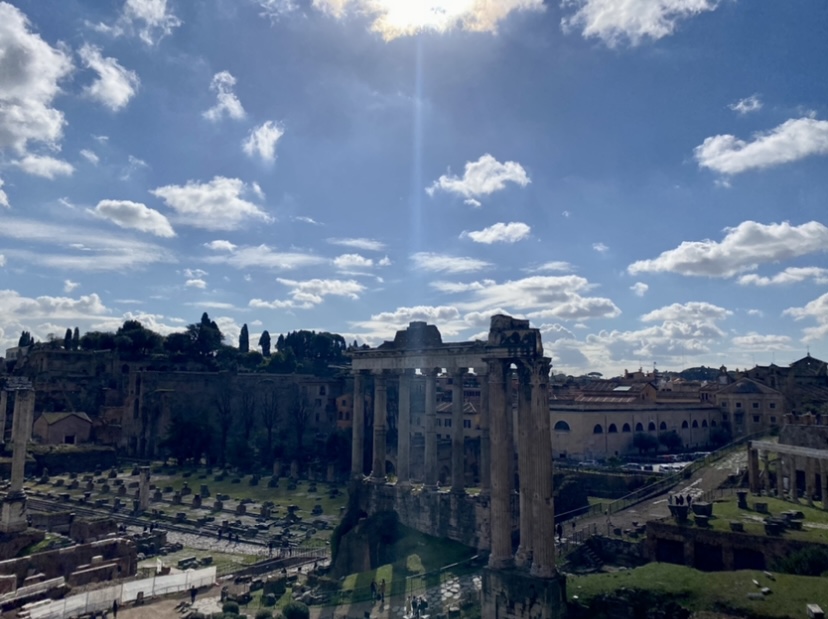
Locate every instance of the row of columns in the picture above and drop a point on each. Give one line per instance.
(380, 425)
(813, 466)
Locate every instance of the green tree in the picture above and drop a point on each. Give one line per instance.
(299, 412)
(671, 440)
(67, 340)
(644, 442)
(244, 340)
(26, 339)
(271, 411)
(97, 340)
(136, 341)
(264, 342)
(295, 610)
(76, 339)
(223, 401)
(205, 336)
(188, 436)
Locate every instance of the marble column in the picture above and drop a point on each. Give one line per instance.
(404, 430)
(502, 452)
(13, 506)
(780, 477)
(526, 485)
(792, 479)
(380, 426)
(358, 428)
(144, 488)
(810, 475)
(485, 458)
(430, 462)
(458, 442)
(766, 468)
(543, 507)
(3, 403)
(823, 473)
(753, 469)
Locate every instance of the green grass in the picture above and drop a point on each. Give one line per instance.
(699, 591)
(728, 510)
(224, 562)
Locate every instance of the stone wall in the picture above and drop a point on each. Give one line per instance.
(815, 437)
(514, 594)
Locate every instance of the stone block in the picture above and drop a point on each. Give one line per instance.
(204, 491)
(218, 505)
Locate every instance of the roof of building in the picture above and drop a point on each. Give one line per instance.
(746, 386)
(52, 418)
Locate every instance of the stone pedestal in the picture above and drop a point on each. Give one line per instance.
(514, 594)
(13, 514)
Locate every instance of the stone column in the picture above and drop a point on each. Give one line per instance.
(766, 468)
(526, 485)
(3, 403)
(501, 455)
(458, 442)
(780, 477)
(810, 486)
(380, 429)
(404, 431)
(792, 479)
(21, 431)
(823, 473)
(144, 488)
(358, 428)
(430, 463)
(543, 507)
(485, 458)
(753, 469)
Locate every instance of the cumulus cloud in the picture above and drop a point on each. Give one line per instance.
(631, 20)
(639, 288)
(306, 294)
(791, 275)
(262, 141)
(694, 311)
(816, 310)
(600, 248)
(481, 178)
(45, 166)
(69, 286)
(444, 263)
(220, 245)
(499, 233)
(4, 199)
(744, 248)
(115, 85)
(793, 140)
(747, 105)
(756, 342)
(2, 260)
(215, 205)
(90, 156)
(398, 18)
(264, 257)
(347, 262)
(135, 216)
(554, 265)
(32, 71)
(150, 20)
(195, 283)
(227, 103)
(363, 244)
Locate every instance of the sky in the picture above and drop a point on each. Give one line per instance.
(645, 180)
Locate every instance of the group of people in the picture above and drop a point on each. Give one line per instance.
(231, 537)
(680, 499)
(378, 592)
(415, 606)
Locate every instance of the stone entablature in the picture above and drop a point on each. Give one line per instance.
(789, 459)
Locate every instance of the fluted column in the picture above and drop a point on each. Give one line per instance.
(543, 507)
(524, 438)
(753, 469)
(358, 428)
(430, 463)
(458, 456)
(21, 431)
(380, 426)
(404, 431)
(501, 455)
(485, 457)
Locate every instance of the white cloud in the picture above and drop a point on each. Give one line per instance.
(134, 215)
(817, 310)
(264, 257)
(148, 19)
(134, 164)
(600, 248)
(45, 166)
(69, 286)
(262, 141)
(385, 262)
(306, 220)
(755, 312)
(615, 21)
(744, 248)
(473, 202)
(2, 260)
(747, 105)
(90, 156)
(115, 85)
(793, 140)
(194, 273)
(347, 262)
(455, 287)
(32, 70)
(757, 342)
(444, 263)
(555, 265)
(274, 9)
(698, 311)
(791, 275)
(482, 177)
(216, 205)
(306, 294)
(398, 18)
(579, 308)
(220, 245)
(639, 288)
(499, 233)
(195, 283)
(363, 244)
(226, 101)
(566, 214)
(4, 199)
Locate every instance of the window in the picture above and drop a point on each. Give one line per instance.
(340, 416)
(561, 426)
(69, 439)
(639, 427)
(684, 425)
(704, 423)
(756, 419)
(662, 425)
(713, 424)
(598, 429)
(772, 405)
(347, 416)
(439, 423)
(447, 424)
(773, 419)
(626, 428)
(738, 405)
(467, 423)
(612, 429)
(322, 390)
(724, 404)
(651, 427)
(755, 404)
(695, 423)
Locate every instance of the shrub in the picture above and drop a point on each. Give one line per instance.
(230, 608)
(811, 561)
(264, 614)
(296, 610)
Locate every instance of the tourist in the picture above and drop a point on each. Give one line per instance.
(382, 591)
(115, 608)
(559, 531)
(373, 590)
(193, 592)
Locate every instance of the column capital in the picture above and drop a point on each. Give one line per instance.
(430, 372)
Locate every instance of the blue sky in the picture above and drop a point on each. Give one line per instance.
(644, 180)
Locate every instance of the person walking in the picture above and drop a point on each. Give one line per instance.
(193, 593)
(115, 609)
(373, 590)
(382, 591)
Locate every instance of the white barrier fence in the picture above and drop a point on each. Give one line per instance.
(101, 599)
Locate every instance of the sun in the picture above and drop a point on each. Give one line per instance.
(406, 17)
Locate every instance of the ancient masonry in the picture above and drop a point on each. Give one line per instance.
(13, 507)
(522, 584)
(790, 459)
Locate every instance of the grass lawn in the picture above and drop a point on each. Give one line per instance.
(710, 590)
(224, 562)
